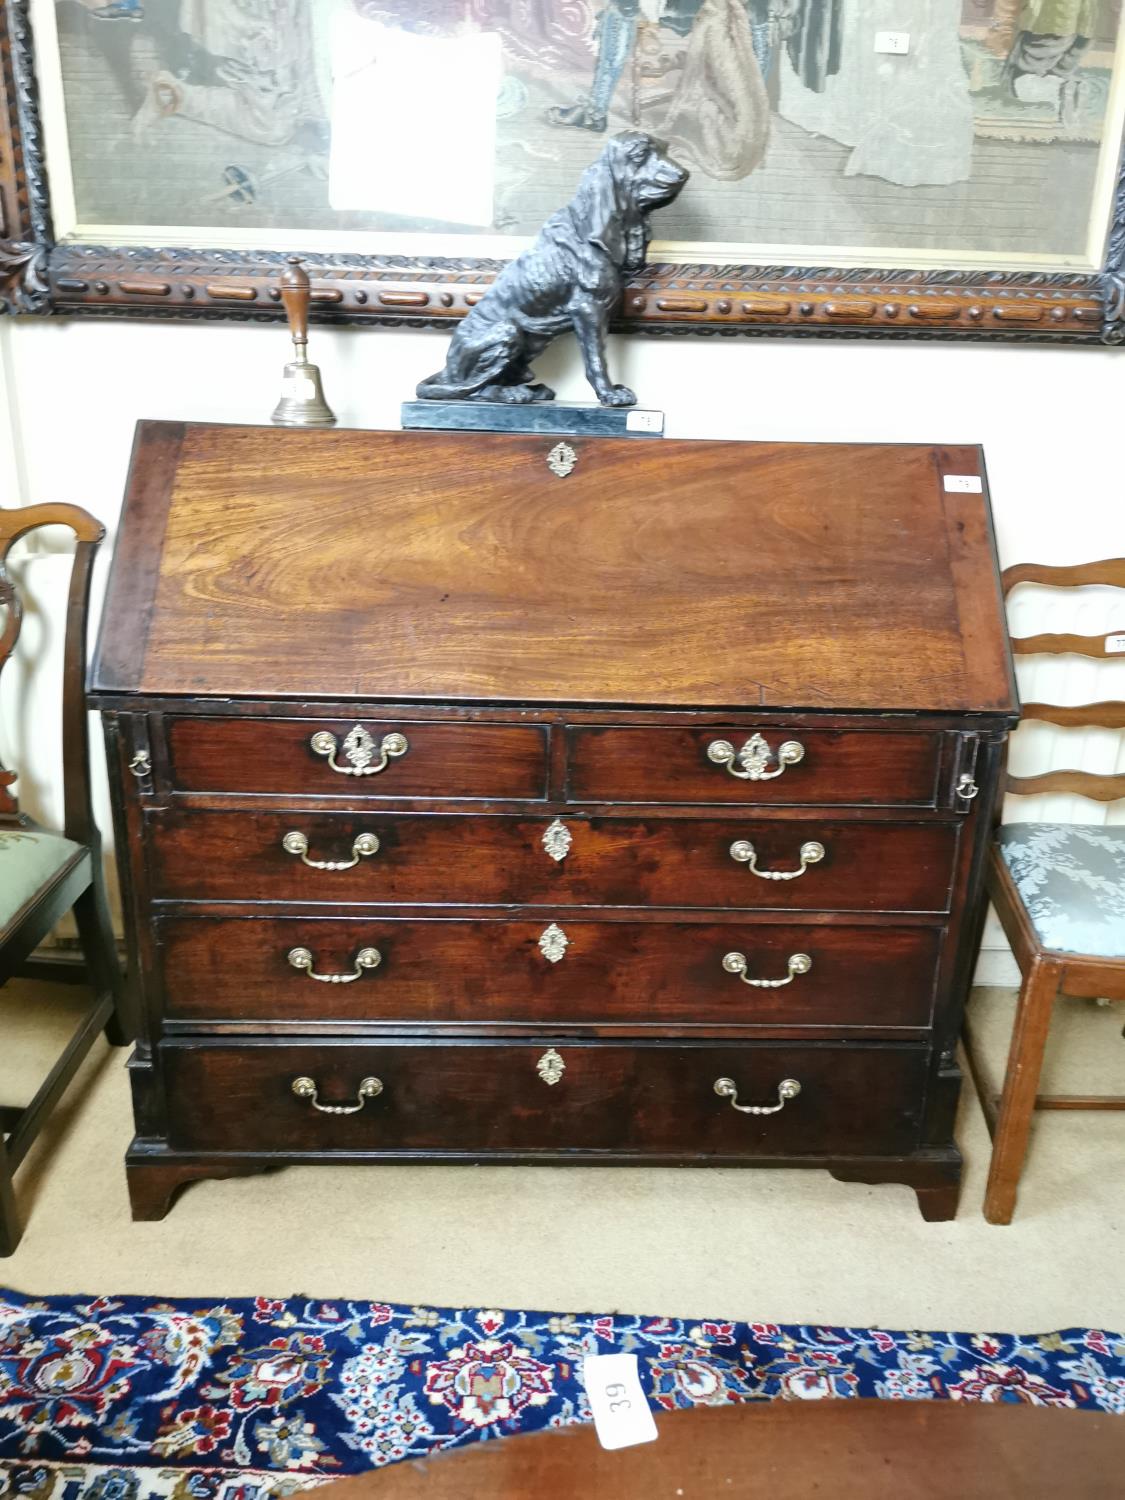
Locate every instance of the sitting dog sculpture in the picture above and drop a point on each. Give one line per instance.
(569, 279)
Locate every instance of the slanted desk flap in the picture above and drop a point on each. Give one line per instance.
(266, 562)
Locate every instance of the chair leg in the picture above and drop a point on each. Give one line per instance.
(10, 1228)
(1021, 1082)
(91, 913)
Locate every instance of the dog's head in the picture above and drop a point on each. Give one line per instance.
(633, 176)
(646, 175)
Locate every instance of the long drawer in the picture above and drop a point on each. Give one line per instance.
(544, 1096)
(430, 858)
(370, 758)
(784, 765)
(316, 971)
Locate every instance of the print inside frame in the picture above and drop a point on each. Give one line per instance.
(963, 179)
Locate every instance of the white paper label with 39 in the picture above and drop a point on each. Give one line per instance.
(622, 1417)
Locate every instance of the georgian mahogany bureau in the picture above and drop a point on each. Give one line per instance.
(483, 798)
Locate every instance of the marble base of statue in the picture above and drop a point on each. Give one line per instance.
(578, 420)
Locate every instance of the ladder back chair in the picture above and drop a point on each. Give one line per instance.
(1059, 891)
(43, 873)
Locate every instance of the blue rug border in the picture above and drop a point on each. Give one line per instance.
(316, 1388)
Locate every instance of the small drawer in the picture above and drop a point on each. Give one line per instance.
(548, 1096)
(776, 765)
(356, 758)
(422, 858)
(316, 971)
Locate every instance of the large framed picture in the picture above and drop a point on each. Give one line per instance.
(898, 168)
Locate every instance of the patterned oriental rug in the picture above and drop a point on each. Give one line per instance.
(127, 1398)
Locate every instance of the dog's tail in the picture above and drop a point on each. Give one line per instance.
(439, 388)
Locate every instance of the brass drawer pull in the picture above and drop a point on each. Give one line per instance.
(754, 757)
(743, 851)
(360, 751)
(369, 1088)
(363, 847)
(735, 963)
(366, 958)
(787, 1089)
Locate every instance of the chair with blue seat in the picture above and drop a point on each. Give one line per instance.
(1059, 891)
(44, 874)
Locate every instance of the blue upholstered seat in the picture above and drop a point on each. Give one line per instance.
(1071, 879)
(29, 860)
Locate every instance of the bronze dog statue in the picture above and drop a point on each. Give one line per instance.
(569, 279)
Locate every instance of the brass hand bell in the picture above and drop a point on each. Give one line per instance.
(302, 401)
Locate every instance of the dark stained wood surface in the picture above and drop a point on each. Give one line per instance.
(481, 1096)
(672, 765)
(274, 755)
(787, 1450)
(452, 971)
(671, 573)
(483, 860)
(137, 553)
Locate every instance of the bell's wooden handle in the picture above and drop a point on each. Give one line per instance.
(295, 292)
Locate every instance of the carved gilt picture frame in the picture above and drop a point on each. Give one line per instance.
(49, 273)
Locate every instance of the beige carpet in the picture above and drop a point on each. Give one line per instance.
(781, 1246)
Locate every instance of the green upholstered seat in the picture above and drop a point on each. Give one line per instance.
(1071, 879)
(29, 859)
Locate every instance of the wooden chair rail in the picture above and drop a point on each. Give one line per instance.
(25, 1124)
(1073, 645)
(1106, 788)
(17, 523)
(990, 1101)
(1080, 1101)
(1110, 571)
(1108, 715)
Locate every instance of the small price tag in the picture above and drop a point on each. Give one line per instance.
(622, 1417)
(963, 484)
(1115, 643)
(896, 42)
(644, 421)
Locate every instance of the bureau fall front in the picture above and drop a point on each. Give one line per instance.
(473, 806)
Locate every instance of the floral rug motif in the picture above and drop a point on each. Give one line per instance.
(129, 1398)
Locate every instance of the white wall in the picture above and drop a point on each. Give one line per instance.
(1051, 421)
